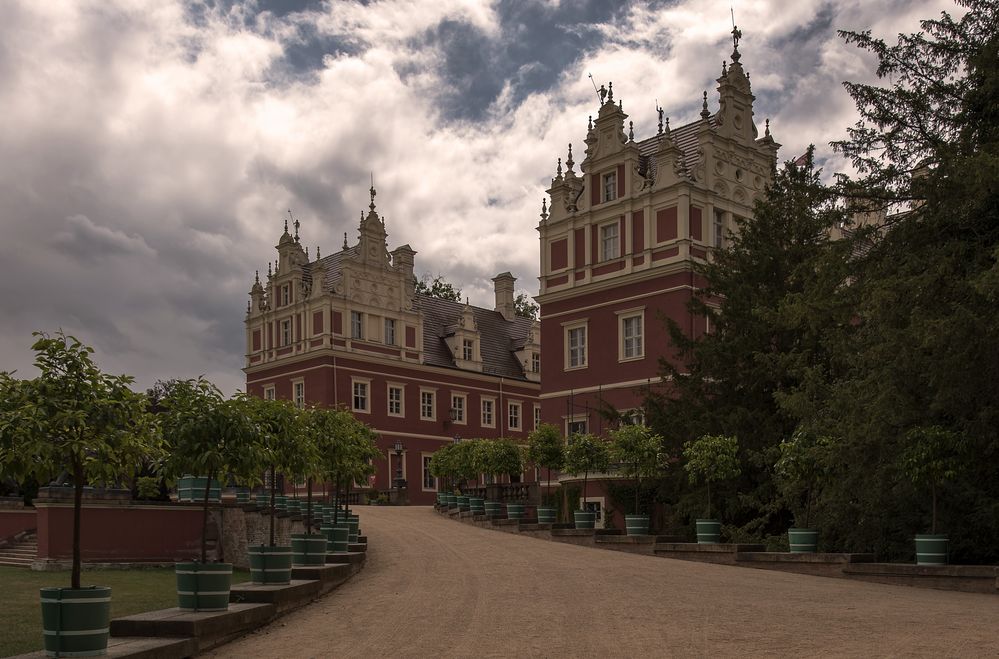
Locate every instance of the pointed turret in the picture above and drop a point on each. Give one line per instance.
(372, 235)
(735, 97)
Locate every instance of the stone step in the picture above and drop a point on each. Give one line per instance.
(206, 625)
(16, 562)
(19, 551)
(126, 647)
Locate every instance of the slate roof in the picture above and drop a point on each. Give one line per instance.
(498, 338)
(685, 138)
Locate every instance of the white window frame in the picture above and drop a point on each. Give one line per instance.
(511, 416)
(285, 295)
(433, 404)
(718, 227)
(459, 403)
(298, 392)
(537, 416)
(402, 399)
(468, 349)
(425, 471)
(491, 423)
(576, 419)
(286, 330)
(270, 392)
(389, 336)
(567, 331)
(357, 325)
(535, 362)
(355, 382)
(623, 316)
(610, 246)
(608, 186)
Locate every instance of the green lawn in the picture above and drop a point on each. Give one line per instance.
(132, 591)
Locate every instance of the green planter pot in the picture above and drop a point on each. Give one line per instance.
(932, 549)
(463, 503)
(293, 507)
(636, 524)
(452, 501)
(242, 497)
(354, 523)
(270, 565)
(194, 490)
(803, 541)
(584, 519)
(280, 503)
(477, 505)
(340, 538)
(515, 511)
(203, 586)
(76, 622)
(493, 509)
(262, 499)
(546, 515)
(708, 531)
(308, 549)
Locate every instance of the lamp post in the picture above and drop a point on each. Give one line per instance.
(400, 482)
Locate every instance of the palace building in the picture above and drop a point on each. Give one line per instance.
(621, 241)
(350, 329)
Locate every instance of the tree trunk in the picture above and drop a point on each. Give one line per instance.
(933, 528)
(708, 516)
(273, 488)
(336, 503)
(204, 520)
(638, 486)
(77, 507)
(582, 496)
(308, 508)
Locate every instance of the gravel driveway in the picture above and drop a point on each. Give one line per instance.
(433, 587)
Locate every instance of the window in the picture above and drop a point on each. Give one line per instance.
(535, 362)
(458, 408)
(390, 331)
(286, 332)
(467, 349)
(488, 404)
(609, 242)
(427, 411)
(576, 427)
(631, 337)
(356, 325)
(635, 417)
(395, 400)
(269, 393)
(537, 416)
(576, 347)
(360, 396)
(285, 295)
(610, 186)
(513, 421)
(719, 231)
(299, 394)
(429, 482)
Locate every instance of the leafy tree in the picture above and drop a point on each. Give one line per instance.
(932, 457)
(585, 454)
(546, 448)
(498, 456)
(206, 434)
(712, 458)
(524, 307)
(442, 465)
(800, 470)
(463, 461)
(73, 415)
(438, 287)
(640, 453)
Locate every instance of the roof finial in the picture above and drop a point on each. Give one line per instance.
(602, 93)
(296, 224)
(589, 126)
(659, 110)
(256, 277)
(766, 132)
(724, 68)
(667, 125)
(544, 209)
(558, 169)
(736, 35)
(372, 191)
(610, 92)
(631, 131)
(569, 161)
(317, 253)
(286, 224)
(704, 107)
(307, 259)
(269, 275)
(345, 240)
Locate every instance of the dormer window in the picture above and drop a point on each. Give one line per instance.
(610, 186)
(286, 295)
(609, 242)
(535, 362)
(467, 349)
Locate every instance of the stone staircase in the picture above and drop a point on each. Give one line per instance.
(21, 552)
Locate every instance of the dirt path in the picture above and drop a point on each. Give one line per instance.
(435, 588)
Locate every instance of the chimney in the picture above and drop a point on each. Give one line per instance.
(402, 259)
(503, 285)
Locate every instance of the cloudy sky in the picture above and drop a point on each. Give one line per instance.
(151, 148)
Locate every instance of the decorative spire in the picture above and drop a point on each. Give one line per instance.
(704, 107)
(558, 169)
(667, 126)
(307, 259)
(269, 275)
(544, 209)
(610, 92)
(589, 126)
(247, 307)
(724, 68)
(256, 277)
(569, 161)
(286, 226)
(766, 132)
(631, 131)
(296, 225)
(620, 106)
(373, 193)
(345, 234)
(736, 35)
(660, 111)
(317, 253)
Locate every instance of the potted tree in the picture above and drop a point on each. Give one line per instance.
(931, 457)
(465, 469)
(502, 457)
(309, 549)
(799, 473)
(638, 450)
(281, 429)
(585, 453)
(546, 448)
(205, 433)
(711, 458)
(73, 416)
(441, 467)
